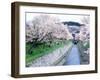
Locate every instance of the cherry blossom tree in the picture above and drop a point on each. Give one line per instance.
(44, 28)
(85, 29)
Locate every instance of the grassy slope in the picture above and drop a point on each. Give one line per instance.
(41, 50)
(85, 45)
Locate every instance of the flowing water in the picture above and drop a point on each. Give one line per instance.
(74, 56)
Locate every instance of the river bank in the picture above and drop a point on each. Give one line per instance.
(52, 59)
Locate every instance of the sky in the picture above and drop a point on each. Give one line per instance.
(62, 17)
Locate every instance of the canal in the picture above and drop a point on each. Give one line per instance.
(74, 56)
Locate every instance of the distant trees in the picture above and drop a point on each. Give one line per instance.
(84, 30)
(44, 28)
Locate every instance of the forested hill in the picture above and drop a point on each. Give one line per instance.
(72, 23)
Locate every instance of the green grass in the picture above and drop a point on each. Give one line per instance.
(84, 45)
(41, 50)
